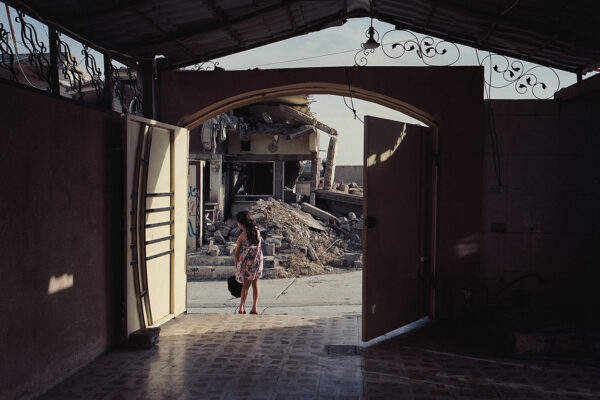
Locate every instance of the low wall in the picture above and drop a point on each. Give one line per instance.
(61, 238)
(348, 174)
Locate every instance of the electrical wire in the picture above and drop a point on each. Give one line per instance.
(491, 121)
(299, 59)
(306, 58)
(351, 108)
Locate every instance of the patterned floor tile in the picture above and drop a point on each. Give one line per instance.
(274, 357)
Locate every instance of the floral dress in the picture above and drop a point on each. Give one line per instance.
(250, 262)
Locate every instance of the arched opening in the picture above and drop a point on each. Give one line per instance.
(447, 100)
(307, 88)
(194, 120)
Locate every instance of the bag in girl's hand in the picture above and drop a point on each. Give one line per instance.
(235, 288)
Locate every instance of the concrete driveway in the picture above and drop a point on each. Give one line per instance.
(332, 294)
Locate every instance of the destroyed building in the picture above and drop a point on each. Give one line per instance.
(251, 153)
(297, 240)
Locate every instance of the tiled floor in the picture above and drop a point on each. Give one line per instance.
(286, 357)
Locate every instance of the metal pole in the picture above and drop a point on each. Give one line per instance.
(53, 70)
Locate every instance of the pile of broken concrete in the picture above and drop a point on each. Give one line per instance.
(297, 239)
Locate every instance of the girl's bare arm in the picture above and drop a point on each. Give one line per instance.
(237, 247)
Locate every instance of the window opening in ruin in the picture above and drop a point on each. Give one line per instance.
(252, 179)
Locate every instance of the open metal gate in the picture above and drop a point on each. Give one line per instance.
(398, 182)
(156, 170)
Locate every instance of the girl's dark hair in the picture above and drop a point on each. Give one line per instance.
(243, 217)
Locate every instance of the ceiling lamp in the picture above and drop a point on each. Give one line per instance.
(371, 43)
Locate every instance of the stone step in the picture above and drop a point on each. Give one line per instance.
(207, 273)
(204, 259)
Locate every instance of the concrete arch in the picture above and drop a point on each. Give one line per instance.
(244, 99)
(450, 99)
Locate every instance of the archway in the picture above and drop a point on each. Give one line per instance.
(447, 99)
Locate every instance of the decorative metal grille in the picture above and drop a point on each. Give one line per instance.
(203, 66)
(503, 72)
(126, 89)
(69, 68)
(38, 52)
(93, 71)
(8, 55)
(401, 42)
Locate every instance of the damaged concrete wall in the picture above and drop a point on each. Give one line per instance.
(265, 144)
(61, 238)
(348, 174)
(542, 226)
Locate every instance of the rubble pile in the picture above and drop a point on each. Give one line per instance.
(298, 243)
(348, 188)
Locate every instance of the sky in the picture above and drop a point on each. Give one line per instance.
(337, 46)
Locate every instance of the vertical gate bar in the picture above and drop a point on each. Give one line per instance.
(172, 241)
(53, 68)
(434, 194)
(147, 78)
(142, 223)
(133, 216)
(108, 84)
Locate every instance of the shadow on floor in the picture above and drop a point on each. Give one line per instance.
(286, 357)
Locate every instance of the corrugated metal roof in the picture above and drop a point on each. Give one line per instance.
(557, 33)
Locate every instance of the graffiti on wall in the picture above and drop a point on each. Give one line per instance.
(192, 212)
(193, 232)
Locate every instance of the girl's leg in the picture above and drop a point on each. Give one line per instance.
(255, 293)
(244, 294)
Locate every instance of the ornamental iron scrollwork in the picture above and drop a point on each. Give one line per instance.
(431, 51)
(426, 48)
(69, 68)
(126, 89)
(8, 55)
(136, 92)
(93, 71)
(36, 48)
(117, 85)
(203, 66)
(514, 73)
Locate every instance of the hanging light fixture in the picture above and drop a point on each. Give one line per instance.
(371, 43)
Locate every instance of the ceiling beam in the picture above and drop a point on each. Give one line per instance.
(100, 12)
(291, 17)
(315, 26)
(158, 29)
(434, 5)
(200, 28)
(220, 16)
(529, 26)
(497, 20)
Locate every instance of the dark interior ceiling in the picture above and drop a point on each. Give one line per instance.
(563, 34)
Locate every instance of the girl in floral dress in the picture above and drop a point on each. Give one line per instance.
(248, 260)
